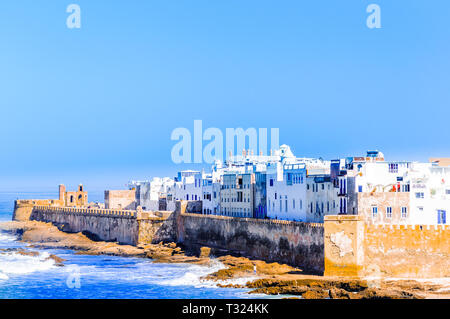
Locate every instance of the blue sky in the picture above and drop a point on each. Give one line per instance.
(97, 105)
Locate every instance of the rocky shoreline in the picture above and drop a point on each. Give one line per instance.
(267, 278)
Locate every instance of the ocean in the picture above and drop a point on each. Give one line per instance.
(86, 277)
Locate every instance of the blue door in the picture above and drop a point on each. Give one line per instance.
(442, 218)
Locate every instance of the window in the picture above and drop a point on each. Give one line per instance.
(393, 168)
(374, 211)
(420, 195)
(286, 206)
(388, 212)
(442, 217)
(404, 212)
(271, 182)
(360, 188)
(301, 204)
(293, 204)
(323, 186)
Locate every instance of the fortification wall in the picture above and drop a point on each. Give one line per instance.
(407, 251)
(354, 248)
(343, 246)
(24, 207)
(106, 225)
(156, 227)
(294, 243)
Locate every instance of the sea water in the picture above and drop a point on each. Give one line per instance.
(84, 276)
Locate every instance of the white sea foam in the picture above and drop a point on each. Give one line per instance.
(7, 237)
(193, 276)
(237, 281)
(12, 263)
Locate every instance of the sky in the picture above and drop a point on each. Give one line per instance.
(97, 105)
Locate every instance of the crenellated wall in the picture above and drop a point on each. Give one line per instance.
(354, 248)
(343, 246)
(24, 207)
(294, 243)
(104, 224)
(407, 250)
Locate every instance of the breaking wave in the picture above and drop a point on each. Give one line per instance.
(12, 263)
(6, 237)
(194, 274)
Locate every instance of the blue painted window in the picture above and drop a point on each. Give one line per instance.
(442, 218)
(374, 211)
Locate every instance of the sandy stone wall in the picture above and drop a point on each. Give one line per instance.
(354, 248)
(395, 200)
(153, 230)
(120, 199)
(294, 243)
(24, 207)
(106, 225)
(407, 251)
(343, 241)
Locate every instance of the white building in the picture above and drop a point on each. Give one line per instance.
(393, 192)
(211, 195)
(152, 195)
(430, 194)
(189, 186)
(237, 195)
(286, 191)
(321, 196)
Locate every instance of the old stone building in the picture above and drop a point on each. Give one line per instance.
(120, 199)
(78, 198)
